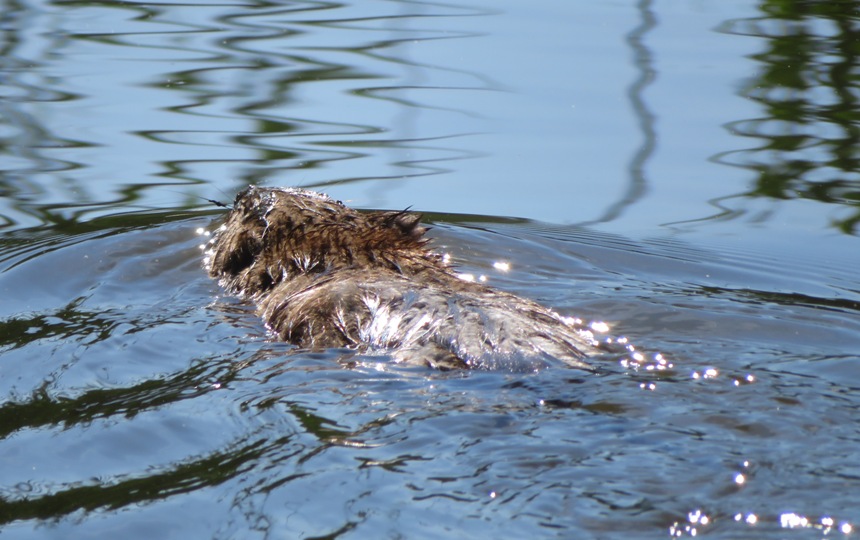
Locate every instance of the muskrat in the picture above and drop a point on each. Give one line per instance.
(324, 275)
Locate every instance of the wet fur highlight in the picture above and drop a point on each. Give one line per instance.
(324, 275)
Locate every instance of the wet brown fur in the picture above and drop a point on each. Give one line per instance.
(324, 275)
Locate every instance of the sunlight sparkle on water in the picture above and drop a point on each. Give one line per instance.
(698, 517)
(203, 232)
(826, 524)
(752, 519)
(709, 373)
(694, 518)
(502, 266)
(636, 360)
(599, 326)
(791, 520)
(573, 321)
(748, 379)
(471, 277)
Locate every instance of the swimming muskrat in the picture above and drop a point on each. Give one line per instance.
(324, 275)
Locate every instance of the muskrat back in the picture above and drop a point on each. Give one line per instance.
(324, 275)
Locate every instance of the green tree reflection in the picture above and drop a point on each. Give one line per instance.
(808, 87)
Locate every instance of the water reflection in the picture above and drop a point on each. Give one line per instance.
(113, 342)
(205, 95)
(646, 74)
(25, 84)
(206, 471)
(807, 86)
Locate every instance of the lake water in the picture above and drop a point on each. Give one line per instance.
(685, 171)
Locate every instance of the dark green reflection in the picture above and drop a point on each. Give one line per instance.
(66, 322)
(41, 409)
(807, 84)
(195, 473)
(210, 470)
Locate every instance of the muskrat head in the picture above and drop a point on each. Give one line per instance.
(275, 234)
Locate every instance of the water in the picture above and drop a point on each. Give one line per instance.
(684, 171)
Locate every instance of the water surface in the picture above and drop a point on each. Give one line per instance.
(683, 171)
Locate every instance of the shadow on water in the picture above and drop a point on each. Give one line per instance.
(807, 86)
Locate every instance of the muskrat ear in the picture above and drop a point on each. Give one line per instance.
(407, 223)
(241, 195)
